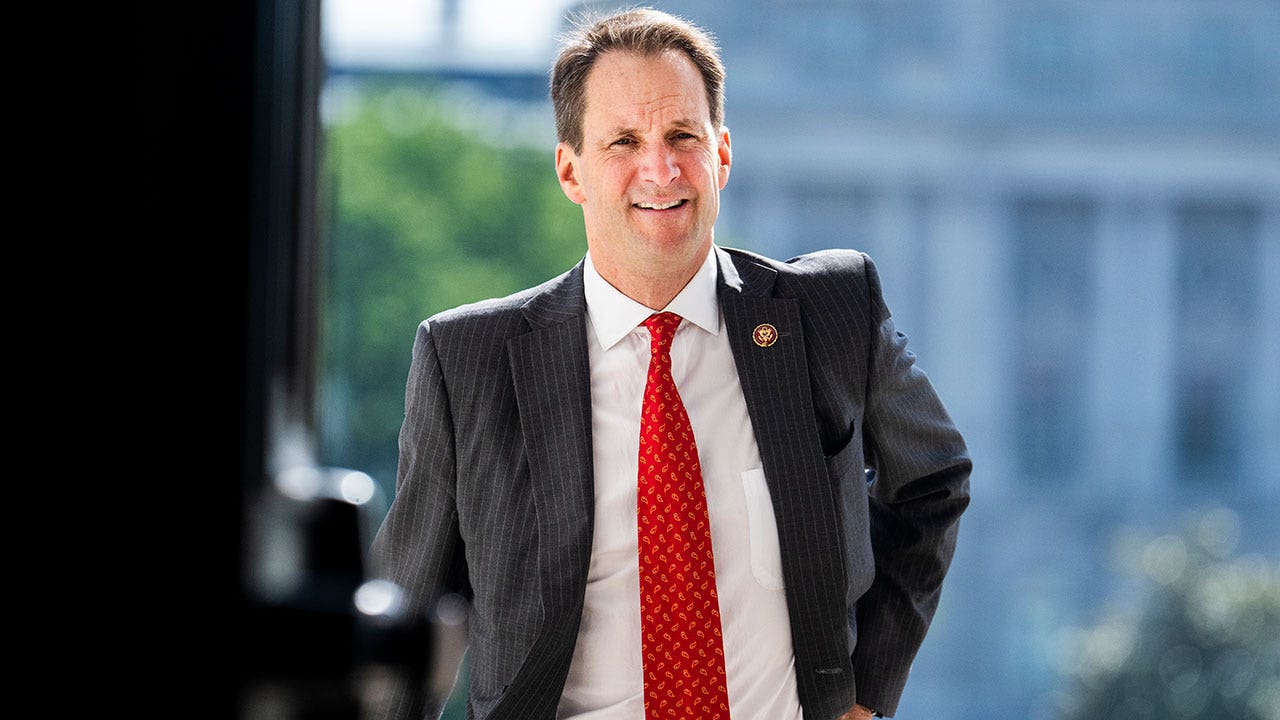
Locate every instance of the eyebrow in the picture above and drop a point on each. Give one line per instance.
(681, 124)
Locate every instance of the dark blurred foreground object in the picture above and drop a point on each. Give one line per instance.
(324, 642)
(232, 99)
(1206, 644)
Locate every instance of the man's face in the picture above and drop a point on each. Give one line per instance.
(651, 168)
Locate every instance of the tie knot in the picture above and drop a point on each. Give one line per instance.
(662, 327)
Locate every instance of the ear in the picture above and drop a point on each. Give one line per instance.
(567, 172)
(726, 156)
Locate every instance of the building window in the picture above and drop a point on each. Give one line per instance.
(1053, 296)
(1217, 300)
(832, 214)
(1219, 58)
(1050, 52)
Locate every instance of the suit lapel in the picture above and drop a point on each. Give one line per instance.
(549, 368)
(775, 384)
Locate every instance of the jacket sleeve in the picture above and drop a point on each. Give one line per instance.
(919, 468)
(419, 547)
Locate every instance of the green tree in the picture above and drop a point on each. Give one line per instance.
(1206, 643)
(424, 215)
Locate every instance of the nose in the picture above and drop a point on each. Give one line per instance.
(658, 165)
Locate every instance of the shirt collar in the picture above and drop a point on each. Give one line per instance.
(613, 314)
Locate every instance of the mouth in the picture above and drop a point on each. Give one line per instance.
(660, 206)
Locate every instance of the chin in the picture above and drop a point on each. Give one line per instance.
(671, 248)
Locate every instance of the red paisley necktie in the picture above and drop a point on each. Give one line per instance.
(683, 650)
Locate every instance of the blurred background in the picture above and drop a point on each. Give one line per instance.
(1075, 209)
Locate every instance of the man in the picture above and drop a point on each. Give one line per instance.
(648, 473)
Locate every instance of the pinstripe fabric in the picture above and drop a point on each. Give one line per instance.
(494, 492)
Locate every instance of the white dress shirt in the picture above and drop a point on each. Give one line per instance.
(605, 679)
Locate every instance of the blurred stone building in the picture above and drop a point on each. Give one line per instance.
(1075, 207)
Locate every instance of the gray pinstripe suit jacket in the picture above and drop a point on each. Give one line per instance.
(495, 487)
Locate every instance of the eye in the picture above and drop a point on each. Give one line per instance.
(624, 141)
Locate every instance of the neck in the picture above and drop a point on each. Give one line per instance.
(654, 290)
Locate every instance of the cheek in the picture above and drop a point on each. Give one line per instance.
(598, 187)
(618, 183)
(615, 174)
(708, 167)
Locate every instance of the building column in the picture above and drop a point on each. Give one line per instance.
(1264, 395)
(970, 327)
(903, 266)
(1132, 350)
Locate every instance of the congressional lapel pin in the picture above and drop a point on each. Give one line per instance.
(765, 334)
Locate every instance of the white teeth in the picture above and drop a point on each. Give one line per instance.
(659, 206)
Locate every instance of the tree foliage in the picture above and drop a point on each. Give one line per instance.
(424, 215)
(1205, 645)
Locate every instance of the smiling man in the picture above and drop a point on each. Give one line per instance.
(678, 481)
(647, 165)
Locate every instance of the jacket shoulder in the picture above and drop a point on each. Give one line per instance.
(501, 317)
(824, 272)
(842, 281)
(832, 262)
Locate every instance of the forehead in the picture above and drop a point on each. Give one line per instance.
(625, 88)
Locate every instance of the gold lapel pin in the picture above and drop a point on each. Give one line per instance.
(765, 334)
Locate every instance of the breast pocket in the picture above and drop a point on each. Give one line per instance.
(766, 557)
